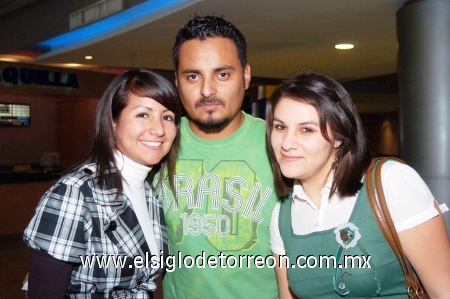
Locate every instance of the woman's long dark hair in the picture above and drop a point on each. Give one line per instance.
(142, 83)
(335, 109)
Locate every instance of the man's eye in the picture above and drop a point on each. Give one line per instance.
(223, 75)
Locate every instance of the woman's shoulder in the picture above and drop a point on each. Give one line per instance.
(392, 169)
(81, 184)
(79, 175)
(399, 177)
(408, 197)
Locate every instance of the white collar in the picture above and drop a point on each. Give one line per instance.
(134, 174)
(298, 193)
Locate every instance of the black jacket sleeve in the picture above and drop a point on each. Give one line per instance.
(48, 278)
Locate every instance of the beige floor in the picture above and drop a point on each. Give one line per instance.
(14, 265)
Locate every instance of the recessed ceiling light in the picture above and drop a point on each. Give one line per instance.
(344, 46)
(88, 57)
(72, 64)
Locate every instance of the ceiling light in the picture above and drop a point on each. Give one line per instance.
(72, 64)
(88, 57)
(344, 46)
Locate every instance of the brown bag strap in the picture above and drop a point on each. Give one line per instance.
(383, 217)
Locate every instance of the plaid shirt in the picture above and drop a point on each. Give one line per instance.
(76, 219)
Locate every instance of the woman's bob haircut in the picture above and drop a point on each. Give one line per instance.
(335, 109)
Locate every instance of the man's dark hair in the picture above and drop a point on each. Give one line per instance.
(203, 27)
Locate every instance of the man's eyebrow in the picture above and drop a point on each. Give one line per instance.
(190, 71)
(216, 70)
(224, 68)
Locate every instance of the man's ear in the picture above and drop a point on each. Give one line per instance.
(176, 80)
(247, 76)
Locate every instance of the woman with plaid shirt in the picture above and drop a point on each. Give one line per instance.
(99, 232)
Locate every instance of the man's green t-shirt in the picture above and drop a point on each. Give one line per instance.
(218, 224)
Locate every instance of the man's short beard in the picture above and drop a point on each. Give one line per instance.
(210, 124)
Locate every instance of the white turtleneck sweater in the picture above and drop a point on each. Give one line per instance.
(134, 176)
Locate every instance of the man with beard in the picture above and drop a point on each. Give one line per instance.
(218, 217)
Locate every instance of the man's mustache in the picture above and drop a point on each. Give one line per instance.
(209, 101)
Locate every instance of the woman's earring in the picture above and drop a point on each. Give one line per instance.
(335, 164)
(114, 133)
